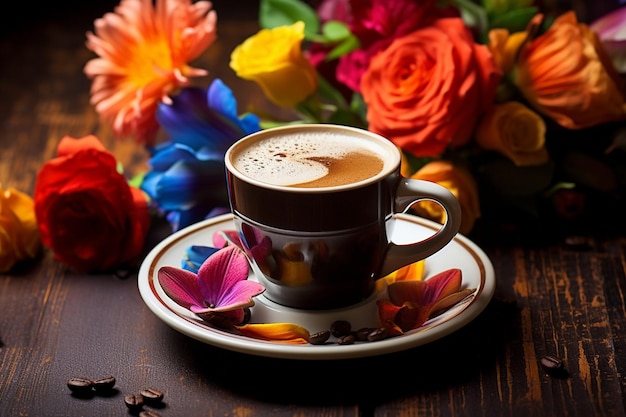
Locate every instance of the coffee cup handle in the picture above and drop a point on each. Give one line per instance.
(410, 191)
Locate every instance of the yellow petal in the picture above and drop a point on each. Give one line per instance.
(276, 332)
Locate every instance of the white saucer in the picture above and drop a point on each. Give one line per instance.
(460, 253)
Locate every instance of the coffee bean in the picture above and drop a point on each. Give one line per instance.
(149, 413)
(340, 328)
(554, 367)
(319, 338)
(361, 334)
(377, 334)
(80, 385)
(346, 340)
(577, 242)
(104, 384)
(151, 395)
(551, 363)
(134, 402)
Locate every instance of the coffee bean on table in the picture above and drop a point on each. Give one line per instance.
(319, 338)
(80, 385)
(104, 384)
(553, 366)
(577, 242)
(551, 363)
(340, 328)
(134, 402)
(151, 395)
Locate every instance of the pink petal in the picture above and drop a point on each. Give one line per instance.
(181, 286)
(443, 284)
(223, 238)
(221, 272)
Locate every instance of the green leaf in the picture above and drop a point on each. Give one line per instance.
(335, 31)
(348, 45)
(137, 180)
(347, 118)
(474, 16)
(358, 106)
(514, 20)
(330, 93)
(274, 13)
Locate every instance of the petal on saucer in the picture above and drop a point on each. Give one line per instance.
(181, 286)
(276, 332)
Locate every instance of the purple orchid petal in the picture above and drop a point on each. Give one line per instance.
(181, 286)
(241, 294)
(219, 274)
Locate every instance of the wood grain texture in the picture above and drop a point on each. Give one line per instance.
(550, 299)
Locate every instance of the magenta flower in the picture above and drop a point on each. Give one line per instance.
(611, 28)
(219, 292)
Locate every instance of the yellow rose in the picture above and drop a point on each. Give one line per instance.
(19, 236)
(504, 47)
(516, 132)
(273, 59)
(459, 182)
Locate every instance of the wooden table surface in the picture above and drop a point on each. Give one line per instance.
(550, 299)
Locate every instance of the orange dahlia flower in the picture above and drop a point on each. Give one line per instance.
(143, 54)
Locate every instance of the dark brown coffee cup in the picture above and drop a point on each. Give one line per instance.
(315, 205)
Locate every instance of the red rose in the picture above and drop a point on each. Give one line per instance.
(426, 91)
(86, 211)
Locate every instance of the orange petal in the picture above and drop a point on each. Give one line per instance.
(412, 317)
(401, 292)
(276, 332)
(387, 313)
(412, 272)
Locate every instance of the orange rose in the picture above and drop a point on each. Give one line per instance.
(516, 132)
(19, 237)
(566, 75)
(87, 213)
(460, 183)
(426, 91)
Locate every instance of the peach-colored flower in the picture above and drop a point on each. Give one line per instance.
(566, 75)
(459, 182)
(143, 54)
(19, 236)
(515, 131)
(273, 58)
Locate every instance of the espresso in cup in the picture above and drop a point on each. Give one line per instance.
(306, 160)
(314, 206)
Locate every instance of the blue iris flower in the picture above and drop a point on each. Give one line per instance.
(187, 180)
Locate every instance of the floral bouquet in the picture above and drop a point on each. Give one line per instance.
(518, 110)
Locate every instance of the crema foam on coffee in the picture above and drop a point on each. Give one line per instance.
(310, 160)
